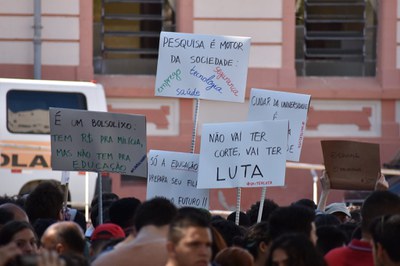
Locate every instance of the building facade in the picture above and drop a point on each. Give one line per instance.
(345, 54)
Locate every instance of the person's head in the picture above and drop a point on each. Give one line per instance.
(294, 250)
(330, 237)
(107, 199)
(293, 219)
(18, 214)
(306, 203)
(340, 210)
(244, 220)
(268, 208)
(377, 204)
(45, 201)
(189, 241)
(234, 256)
(325, 219)
(385, 232)
(122, 213)
(229, 231)
(64, 237)
(157, 211)
(102, 236)
(22, 234)
(256, 242)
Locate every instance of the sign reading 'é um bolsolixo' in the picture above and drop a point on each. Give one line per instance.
(98, 142)
(202, 66)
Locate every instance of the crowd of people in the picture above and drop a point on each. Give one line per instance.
(40, 230)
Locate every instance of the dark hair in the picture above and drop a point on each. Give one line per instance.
(157, 211)
(377, 204)
(11, 228)
(291, 219)
(45, 201)
(229, 231)
(108, 198)
(183, 221)
(330, 237)
(254, 236)
(306, 203)
(299, 249)
(41, 225)
(244, 220)
(268, 208)
(122, 212)
(325, 219)
(386, 231)
(5, 216)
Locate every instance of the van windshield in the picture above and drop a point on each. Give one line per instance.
(28, 111)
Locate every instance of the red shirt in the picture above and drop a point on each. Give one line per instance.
(356, 253)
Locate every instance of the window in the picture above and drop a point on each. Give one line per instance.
(336, 37)
(127, 32)
(28, 111)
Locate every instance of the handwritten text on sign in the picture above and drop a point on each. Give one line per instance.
(98, 142)
(174, 175)
(202, 66)
(246, 154)
(275, 105)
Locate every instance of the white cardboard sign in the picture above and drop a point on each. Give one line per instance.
(98, 142)
(276, 105)
(173, 175)
(202, 66)
(245, 154)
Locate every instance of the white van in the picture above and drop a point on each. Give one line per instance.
(24, 133)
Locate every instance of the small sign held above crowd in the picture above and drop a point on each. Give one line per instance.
(243, 154)
(276, 105)
(173, 175)
(202, 66)
(350, 164)
(98, 142)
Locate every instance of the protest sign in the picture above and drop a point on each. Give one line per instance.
(98, 142)
(350, 164)
(173, 175)
(245, 154)
(276, 105)
(202, 66)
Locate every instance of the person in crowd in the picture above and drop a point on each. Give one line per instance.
(229, 231)
(45, 201)
(64, 237)
(330, 237)
(234, 256)
(306, 203)
(256, 242)
(293, 219)
(22, 234)
(189, 241)
(18, 214)
(359, 252)
(102, 235)
(108, 199)
(40, 226)
(294, 250)
(152, 221)
(244, 220)
(218, 242)
(122, 213)
(324, 219)
(338, 209)
(385, 232)
(269, 206)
